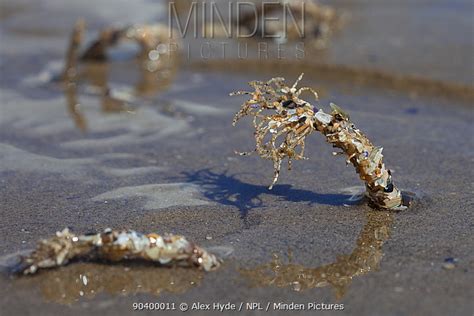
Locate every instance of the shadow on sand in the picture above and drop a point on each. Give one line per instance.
(228, 190)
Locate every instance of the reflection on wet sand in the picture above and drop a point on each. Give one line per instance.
(148, 84)
(157, 65)
(68, 284)
(365, 258)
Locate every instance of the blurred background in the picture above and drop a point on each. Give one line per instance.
(108, 121)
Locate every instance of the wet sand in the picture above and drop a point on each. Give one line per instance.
(169, 166)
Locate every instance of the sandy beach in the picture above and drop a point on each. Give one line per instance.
(166, 163)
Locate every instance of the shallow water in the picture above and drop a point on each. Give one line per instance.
(164, 161)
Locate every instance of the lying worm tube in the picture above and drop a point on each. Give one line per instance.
(115, 246)
(281, 134)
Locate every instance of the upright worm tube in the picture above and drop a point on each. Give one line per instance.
(282, 133)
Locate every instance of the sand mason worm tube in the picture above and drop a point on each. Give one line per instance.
(282, 120)
(311, 20)
(116, 246)
(157, 50)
